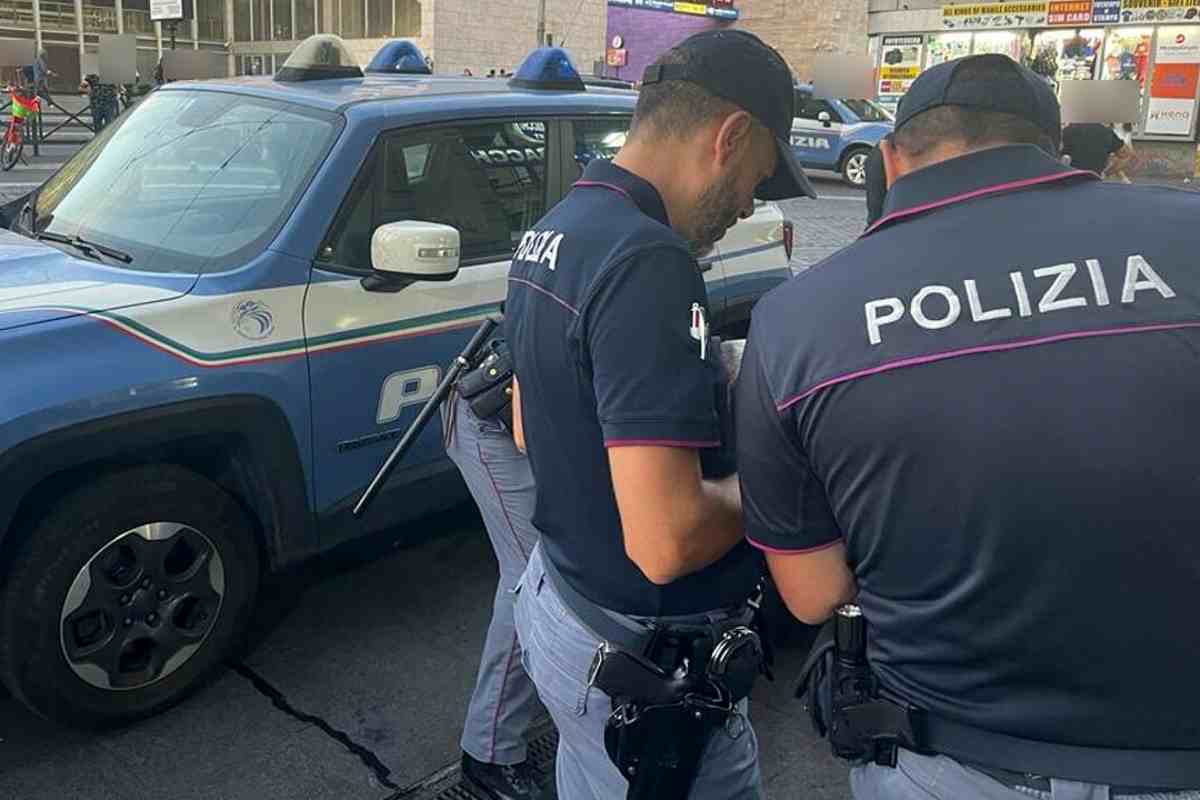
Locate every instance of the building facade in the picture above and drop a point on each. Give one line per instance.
(456, 34)
(1155, 43)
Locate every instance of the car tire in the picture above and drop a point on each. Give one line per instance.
(143, 580)
(854, 167)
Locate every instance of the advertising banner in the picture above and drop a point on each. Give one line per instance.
(1072, 12)
(901, 63)
(1175, 82)
(990, 16)
(1140, 11)
(1106, 11)
(718, 9)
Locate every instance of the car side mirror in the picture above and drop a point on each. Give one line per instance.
(409, 251)
(825, 119)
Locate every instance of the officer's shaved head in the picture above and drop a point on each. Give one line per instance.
(676, 109)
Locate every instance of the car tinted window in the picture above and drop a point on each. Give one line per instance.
(597, 138)
(189, 181)
(813, 107)
(486, 180)
(868, 111)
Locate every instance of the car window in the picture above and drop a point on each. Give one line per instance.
(597, 138)
(487, 180)
(189, 181)
(813, 107)
(868, 111)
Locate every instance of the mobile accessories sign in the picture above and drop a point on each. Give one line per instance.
(1065, 13)
(717, 9)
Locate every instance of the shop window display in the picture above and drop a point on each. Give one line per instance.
(1003, 42)
(1074, 53)
(948, 46)
(1127, 56)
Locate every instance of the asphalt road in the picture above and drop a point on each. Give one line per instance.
(360, 665)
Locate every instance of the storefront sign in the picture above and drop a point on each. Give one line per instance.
(1073, 12)
(900, 64)
(713, 8)
(1138, 11)
(985, 16)
(1106, 11)
(615, 57)
(1175, 82)
(166, 10)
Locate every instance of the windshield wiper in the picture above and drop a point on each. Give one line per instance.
(86, 247)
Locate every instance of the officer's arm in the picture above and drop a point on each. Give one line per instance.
(787, 513)
(814, 584)
(518, 419)
(674, 523)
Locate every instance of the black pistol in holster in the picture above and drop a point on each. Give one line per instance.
(863, 721)
(663, 718)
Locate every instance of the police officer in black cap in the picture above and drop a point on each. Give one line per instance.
(642, 563)
(980, 424)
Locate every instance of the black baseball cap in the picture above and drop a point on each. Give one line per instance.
(739, 67)
(1014, 90)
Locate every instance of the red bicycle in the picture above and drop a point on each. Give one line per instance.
(24, 106)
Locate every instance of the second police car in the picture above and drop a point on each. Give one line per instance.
(218, 316)
(838, 134)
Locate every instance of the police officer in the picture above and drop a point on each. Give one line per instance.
(504, 702)
(980, 420)
(606, 314)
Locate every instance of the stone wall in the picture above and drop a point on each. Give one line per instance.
(799, 29)
(647, 34)
(485, 36)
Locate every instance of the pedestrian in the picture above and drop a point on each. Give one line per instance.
(1091, 144)
(102, 100)
(876, 185)
(978, 423)
(42, 75)
(467, 72)
(504, 702)
(641, 553)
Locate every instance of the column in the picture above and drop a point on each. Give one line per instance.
(120, 9)
(232, 66)
(195, 26)
(37, 23)
(158, 36)
(79, 31)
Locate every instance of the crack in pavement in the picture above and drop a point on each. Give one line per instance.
(372, 762)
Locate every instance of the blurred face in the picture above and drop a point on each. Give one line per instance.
(743, 156)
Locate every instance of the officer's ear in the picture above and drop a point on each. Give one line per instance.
(735, 135)
(895, 164)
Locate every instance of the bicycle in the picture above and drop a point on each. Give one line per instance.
(24, 106)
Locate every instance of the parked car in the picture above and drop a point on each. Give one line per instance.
(221, 313)
(838, 134)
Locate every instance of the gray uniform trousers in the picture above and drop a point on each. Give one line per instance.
(558, 651)
(918, 777)
(504, 703)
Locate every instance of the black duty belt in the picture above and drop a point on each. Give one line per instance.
(629, 633)
(1131, 770)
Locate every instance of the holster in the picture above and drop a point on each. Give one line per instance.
(487, 387)
(845, 703)
(669, 701)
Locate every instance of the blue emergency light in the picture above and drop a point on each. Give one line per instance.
(399, 57)
(548, 68)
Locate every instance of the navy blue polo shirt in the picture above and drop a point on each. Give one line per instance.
(993, 400)
(599, 320)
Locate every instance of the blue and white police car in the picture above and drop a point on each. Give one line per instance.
(221, 313)
(838, 134)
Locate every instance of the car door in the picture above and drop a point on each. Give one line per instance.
(376, 356)
(815, 141)
(601, 137)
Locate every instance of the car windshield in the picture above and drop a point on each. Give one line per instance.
(868, 111)
(190, 181)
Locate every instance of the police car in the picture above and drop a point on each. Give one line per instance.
(838, 134)
(218, 317)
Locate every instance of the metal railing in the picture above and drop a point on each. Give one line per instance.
(58, 16)
(16, 14)
(137, 21)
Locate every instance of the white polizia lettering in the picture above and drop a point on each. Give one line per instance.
(541, 246)
(1140, 276)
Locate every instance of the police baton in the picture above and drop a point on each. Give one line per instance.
(460, 363)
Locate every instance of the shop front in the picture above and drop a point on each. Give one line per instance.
(1153, 42)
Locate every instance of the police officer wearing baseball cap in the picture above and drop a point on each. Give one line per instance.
(979, 424)
(637, 596)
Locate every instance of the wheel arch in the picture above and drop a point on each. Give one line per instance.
(243, 443)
